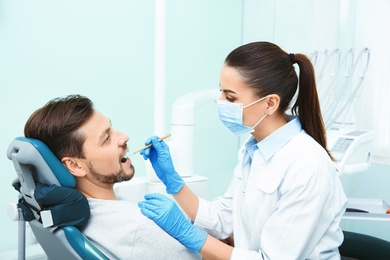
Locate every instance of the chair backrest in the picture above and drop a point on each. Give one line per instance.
(362, 246)
(35, 163)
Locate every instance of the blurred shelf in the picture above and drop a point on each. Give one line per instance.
(367, 209)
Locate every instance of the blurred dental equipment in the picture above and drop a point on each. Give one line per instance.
(339, 82)
(341, 95)
(149, 145)
(182, 128)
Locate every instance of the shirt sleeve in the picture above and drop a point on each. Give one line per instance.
(215, 217)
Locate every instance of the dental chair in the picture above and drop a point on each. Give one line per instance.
(361, 246)
(49, 202)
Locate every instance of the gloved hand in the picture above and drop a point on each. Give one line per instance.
(168, 216)
(161, 160)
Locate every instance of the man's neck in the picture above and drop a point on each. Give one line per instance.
(97, 192)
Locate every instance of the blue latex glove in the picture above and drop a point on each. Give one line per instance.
(161, 160)
(169, 217)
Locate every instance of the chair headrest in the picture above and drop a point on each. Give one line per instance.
(46, 185)
(29, 152)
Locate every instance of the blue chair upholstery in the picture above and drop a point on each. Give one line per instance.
(35, 163)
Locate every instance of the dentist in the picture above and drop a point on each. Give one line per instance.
(285, 200)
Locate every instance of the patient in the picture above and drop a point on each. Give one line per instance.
(85, 142)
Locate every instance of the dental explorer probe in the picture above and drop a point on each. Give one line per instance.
(149, 145)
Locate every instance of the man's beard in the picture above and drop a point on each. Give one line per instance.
(112, 178)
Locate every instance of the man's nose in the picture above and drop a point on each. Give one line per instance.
(123, 139)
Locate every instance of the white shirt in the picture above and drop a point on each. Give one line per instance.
(285, 200)
(121, 231)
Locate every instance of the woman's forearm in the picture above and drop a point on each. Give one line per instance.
(214, 249)
(188, 201)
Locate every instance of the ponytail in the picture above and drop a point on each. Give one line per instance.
(307, 105)
(267, 69)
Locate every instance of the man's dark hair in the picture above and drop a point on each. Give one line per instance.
(57, 124)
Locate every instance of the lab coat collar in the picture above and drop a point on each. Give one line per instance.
(276, 140)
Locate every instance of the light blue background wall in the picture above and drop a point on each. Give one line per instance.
(105, 50)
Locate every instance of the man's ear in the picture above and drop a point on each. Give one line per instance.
(74, 165)
(273, 102)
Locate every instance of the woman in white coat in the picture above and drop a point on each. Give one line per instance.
(285, 200)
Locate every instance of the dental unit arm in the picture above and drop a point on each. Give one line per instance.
(351, 149)
(182, 129)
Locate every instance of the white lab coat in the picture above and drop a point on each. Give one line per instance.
(285, 204)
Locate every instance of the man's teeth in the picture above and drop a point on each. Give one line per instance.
(124, 159)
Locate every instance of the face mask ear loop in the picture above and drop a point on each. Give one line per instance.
(258, 122)
(261, 99)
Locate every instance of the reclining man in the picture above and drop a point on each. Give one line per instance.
(85, 142)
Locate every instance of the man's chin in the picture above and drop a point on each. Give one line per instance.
(128, 176)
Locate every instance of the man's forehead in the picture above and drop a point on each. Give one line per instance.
(96, 127)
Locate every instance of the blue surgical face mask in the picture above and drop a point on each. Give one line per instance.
(231, 116)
